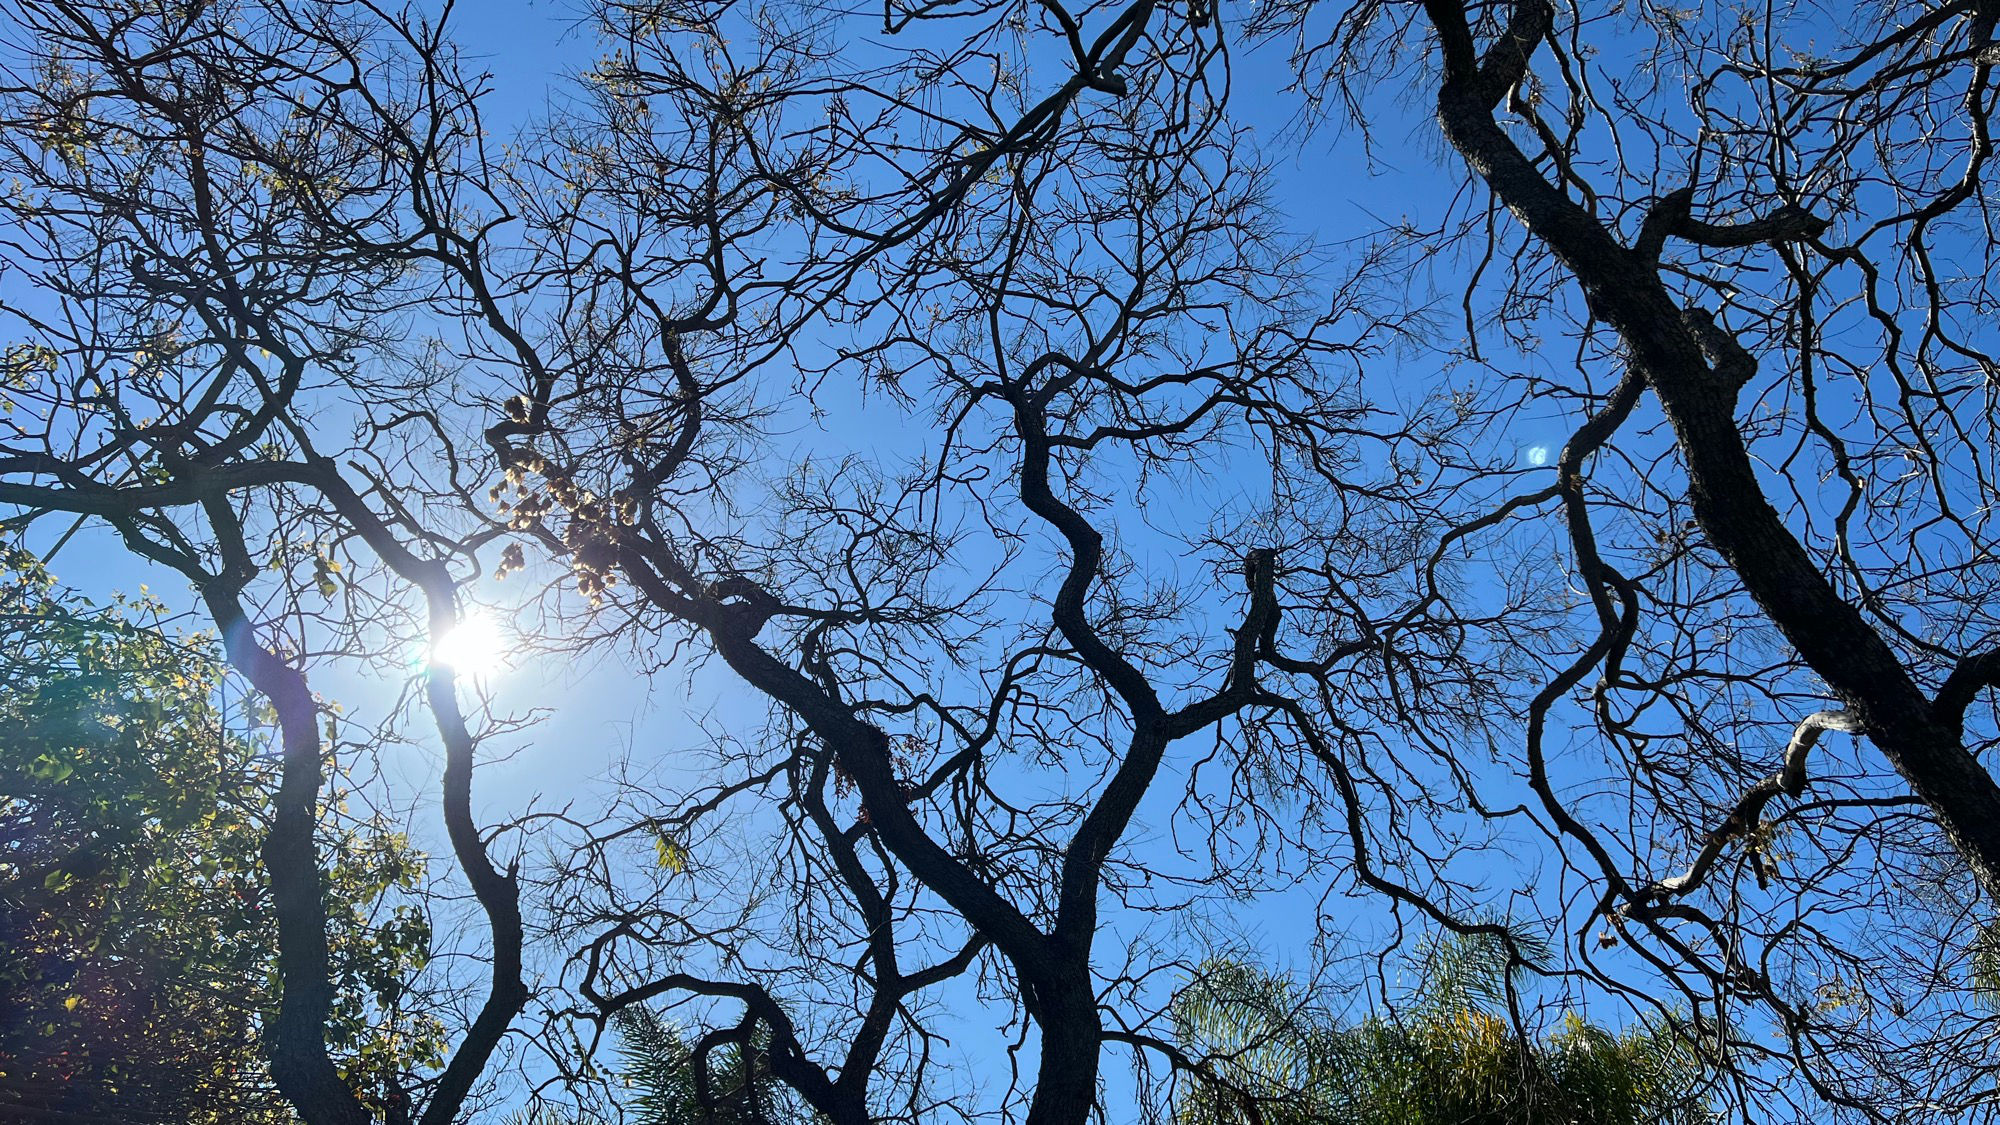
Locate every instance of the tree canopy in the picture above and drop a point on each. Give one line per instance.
(1088, 488)
(1449, 1056)
(136, 950)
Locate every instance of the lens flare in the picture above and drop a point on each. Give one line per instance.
(475, 647)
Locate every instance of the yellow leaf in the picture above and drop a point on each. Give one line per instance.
(672, 856)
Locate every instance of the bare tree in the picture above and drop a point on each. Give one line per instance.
(973, 687)
(251, 227)
(1764, 242)
(949, 386)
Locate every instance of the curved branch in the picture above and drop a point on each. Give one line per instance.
(1790, 780)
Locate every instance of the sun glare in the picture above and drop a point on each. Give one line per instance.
(476, 647)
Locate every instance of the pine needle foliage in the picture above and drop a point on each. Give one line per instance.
(1273, 1056)
(666, 1072)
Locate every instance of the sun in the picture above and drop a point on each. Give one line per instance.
(477, 647)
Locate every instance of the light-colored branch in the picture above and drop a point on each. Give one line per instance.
(1789, 780)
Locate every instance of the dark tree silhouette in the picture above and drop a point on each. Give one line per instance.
(1074, 544)
(1764, 243)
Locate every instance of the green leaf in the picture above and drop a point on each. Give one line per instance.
(48, 767)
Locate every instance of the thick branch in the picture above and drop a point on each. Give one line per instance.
(1743, 819)
(299, 1061)
(1672, 217)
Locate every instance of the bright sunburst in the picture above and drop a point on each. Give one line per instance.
(476, 647)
